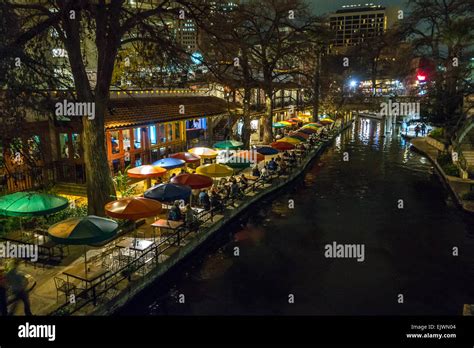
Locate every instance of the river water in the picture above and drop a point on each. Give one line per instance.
(353, 194)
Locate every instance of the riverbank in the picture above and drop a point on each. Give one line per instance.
(456, 186)
(117, 288)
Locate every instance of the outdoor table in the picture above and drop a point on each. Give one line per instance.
(93, 273)
(167, 224)
(135, 244)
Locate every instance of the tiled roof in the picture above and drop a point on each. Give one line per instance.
(127, 112)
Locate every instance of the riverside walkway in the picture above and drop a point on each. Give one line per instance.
(122, 268)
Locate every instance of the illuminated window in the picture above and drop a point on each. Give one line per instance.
(162, 133)
(114, 142)
(76, 141)
(126, 139)
(63, 145)
(177, 132)
(152, 134)
(137, 135)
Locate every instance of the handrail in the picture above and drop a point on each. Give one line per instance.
(95, 291)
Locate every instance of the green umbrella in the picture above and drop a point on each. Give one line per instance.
(83, 231)
(237, 164)
(31, 204)
(278, 125)
(228, 144)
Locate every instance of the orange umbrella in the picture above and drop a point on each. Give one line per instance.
(203, 152)
(251, 156)
(186, 156)
(282, 145)
(300, 134)
(145, 172)
(133, 208)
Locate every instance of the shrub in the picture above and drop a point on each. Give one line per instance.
(437, 133)
(468, 196)
(451, 169)
(444, 159)
(122, 184)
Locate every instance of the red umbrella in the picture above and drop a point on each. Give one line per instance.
(133, 208)
(300, 134)
(282, 145)
(186, 156)
(195, 181)
(251, 156)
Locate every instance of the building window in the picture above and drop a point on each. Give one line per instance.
(114, 142)
(177, 131)
(126, 139)
(162, 133)
(137, 138)
(170, 132)
(76, 141)
(152, 134)
(63, 145)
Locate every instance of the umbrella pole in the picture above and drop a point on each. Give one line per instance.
(85, 260)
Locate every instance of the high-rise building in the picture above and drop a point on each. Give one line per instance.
(353, 24)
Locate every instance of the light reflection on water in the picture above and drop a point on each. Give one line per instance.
(281, 250)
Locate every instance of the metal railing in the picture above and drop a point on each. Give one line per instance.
(150, 257)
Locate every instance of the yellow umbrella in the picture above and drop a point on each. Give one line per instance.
(286, 123)
(310, 127)
(290, 140)
(215, 170)
(326, 120)
(203, 152)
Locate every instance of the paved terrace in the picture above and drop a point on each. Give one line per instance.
(120, 268)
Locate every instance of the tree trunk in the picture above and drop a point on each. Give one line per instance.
(317, 86)
(246, 131)
(268, 119)
(100, 187)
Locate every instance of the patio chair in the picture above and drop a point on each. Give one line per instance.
(64, 287)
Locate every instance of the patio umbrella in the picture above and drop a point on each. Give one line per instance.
(287, 123)
(228, 144)
(313, 124)
(282, 145)
(195, 181)
(298, 137)
(237, 163)
(203, 152)
(307, 130)
(266, 150)
(168, 192)
(279, 125)
(169, 163)
(83, 231)
(300, 134)
(146, 172)
(290, 140)
(24, 204)
(251, 156)
(186, 156)
(295, 119)
(326, 121)
(133, 208)
(215, 170)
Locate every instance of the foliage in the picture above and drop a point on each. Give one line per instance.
(445, 161)
(122, 184)
(437, 133)
(468, 196)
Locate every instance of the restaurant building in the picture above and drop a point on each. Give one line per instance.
(141, 128)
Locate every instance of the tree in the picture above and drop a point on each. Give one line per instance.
(443, 31)
(93, 33)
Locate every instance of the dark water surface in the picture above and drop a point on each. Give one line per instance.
(407, 251)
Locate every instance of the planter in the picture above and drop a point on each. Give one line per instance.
(436, 143)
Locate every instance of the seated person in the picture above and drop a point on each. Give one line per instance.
(204, 200)
(215, 202)
(255, 171)
(190, 216)
(264, 173)
(235, 190)
(272, 165)
(244, 183)
(175, 212)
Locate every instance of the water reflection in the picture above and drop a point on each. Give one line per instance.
(281, 250)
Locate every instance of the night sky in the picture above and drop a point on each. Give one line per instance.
(324, 6)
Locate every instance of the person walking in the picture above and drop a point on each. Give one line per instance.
(423, 129)
(3, 293)
(417, 130)
(19, 284)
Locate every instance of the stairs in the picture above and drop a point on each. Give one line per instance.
(70, 189)
(469, 157)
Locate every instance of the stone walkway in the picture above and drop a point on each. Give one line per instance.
(457, 185)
